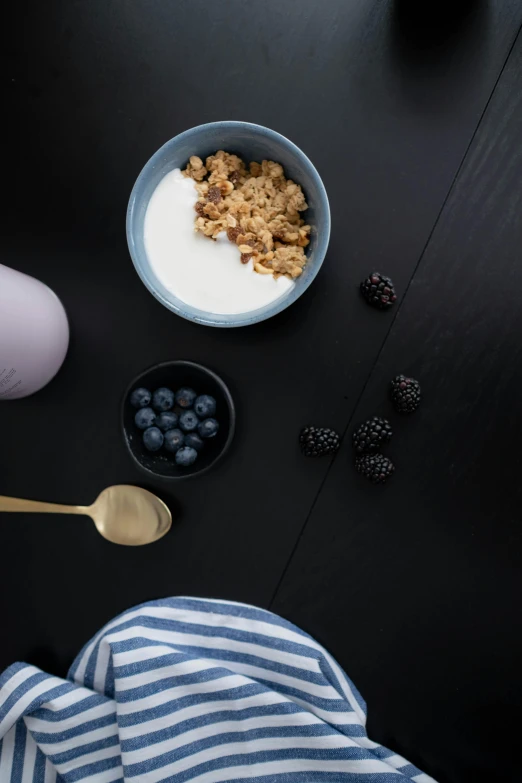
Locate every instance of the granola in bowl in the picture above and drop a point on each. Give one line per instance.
(258, 208)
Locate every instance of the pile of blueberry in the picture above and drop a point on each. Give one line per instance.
(178, 422)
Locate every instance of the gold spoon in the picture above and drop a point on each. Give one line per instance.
(123, 514)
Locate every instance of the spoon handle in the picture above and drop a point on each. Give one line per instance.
(17, 504)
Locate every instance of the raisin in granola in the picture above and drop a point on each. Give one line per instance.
(214, 194)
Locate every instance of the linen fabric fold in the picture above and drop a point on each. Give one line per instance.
(187, 689)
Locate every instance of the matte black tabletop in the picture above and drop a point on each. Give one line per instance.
(413, 118)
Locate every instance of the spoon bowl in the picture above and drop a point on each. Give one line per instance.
(129, 515)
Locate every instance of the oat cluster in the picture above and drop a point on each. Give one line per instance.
(258, 208)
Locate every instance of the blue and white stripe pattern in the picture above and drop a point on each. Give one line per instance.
(186, 689)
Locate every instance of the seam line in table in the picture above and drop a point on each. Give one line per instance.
(385, 340)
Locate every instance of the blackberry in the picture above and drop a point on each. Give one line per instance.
(378, 291)
(371, 435)
(375, 467)
(405, 394)
(318, 441)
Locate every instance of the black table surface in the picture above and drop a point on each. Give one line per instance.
(414, 120)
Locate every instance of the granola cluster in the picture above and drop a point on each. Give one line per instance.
(258, 208)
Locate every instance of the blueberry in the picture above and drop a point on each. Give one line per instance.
(140, 398)
(163, 399)
(144, 418)
(194, 441)
(208, 428)
(188, 421)
(185, 398)
(174, 440)
(166, 421)
(205, 406)
(153, 439)
(186, 456)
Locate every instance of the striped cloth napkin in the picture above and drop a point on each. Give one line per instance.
(186, 689)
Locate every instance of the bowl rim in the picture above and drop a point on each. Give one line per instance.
(228, 397)
(252, 316)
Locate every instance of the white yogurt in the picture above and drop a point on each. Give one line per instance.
(201, 272)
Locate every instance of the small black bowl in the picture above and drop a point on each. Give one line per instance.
(174, 375)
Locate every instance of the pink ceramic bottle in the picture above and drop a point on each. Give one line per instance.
(34, 334)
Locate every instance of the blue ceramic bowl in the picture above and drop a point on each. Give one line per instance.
(251, 142)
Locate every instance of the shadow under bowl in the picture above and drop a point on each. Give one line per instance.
(175, 375)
